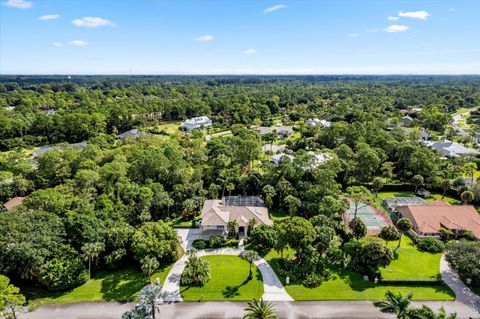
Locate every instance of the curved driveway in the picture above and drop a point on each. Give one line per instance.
(463, 294)
(273, 289)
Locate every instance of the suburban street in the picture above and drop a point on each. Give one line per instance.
(214, 310)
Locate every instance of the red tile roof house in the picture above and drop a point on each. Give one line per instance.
(428, 219)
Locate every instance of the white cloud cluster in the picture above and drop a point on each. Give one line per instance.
(19, 4)
(92, 22)
(78, 43)
(49, 17)
(422, 15)
(250, 52)
(274, 8)
(57, 44)
(392, 18)
(394, 28)
(205, 38)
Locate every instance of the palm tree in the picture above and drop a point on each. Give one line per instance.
(149, 264)
(426, 313)
(396, 304)
(259, 309)
(231, 225)
(138, 312)
(446, 185)
(148, 296)
(251, 256)
(91, 251)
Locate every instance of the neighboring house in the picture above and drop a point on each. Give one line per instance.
(319, 123)
(394, 202)
(274, 148)
(135, 133)
(281, 130)
(14, 202)
(452, 149)
(275, 159)
(217, 213)
(200, 122)
(406, 121)
(317, 158)
(44, 149)
(428, 219)
(425, 136)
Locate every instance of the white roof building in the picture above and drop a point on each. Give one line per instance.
(452, 149)
(319, 123)
(196, 123)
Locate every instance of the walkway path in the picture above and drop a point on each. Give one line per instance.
(273, 289)
(228, 309)
(463, 294)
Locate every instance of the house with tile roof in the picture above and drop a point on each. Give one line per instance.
(216, 214)
(14, 202)
(428, 219)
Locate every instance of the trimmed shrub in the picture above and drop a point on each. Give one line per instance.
(312, 281)
(411, 281)
(232, 243)
(199, 244)
(216, 242)
(431, 245)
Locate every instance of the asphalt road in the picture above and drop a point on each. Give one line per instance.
(217, 310)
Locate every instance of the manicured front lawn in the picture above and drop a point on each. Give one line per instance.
(348, 285)
(411, 263)
(229, 281)
(116, 285)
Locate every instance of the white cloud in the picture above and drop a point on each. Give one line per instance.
(19, 4)
(48, 17)
(205, 38)
(392, 18)
(57, 44)
(78, 43)
(274, 8)
(353, 35)
(92, 22)
(250, 52)
(422, 15)
(394, 28)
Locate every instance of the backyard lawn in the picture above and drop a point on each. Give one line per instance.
(116, 285)
(347, 285)
(229, 281)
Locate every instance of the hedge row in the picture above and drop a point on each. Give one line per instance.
(411, 281)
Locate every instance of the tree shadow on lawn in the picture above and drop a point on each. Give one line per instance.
(122, 285)
(232, 291)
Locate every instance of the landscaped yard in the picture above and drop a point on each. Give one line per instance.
(411, 263)
(229, 281)
(116, 285)
(347, 285)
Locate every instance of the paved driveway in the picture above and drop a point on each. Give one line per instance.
(188, 235)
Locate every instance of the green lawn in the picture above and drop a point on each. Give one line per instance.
(229, 281)
(116, 285)
(412, 263)
(277, 214)
(182, 223)
(348, 285)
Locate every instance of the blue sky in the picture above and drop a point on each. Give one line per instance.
(239, 37)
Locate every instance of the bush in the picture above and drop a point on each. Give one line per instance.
(196, 272)
(431, 245)
(232, 243)
(63, 273)
(199, 244)
(312, 281)
(216, 242)
(464, 257)
(263, 237)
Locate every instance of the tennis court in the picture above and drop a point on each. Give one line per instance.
(373, 220)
